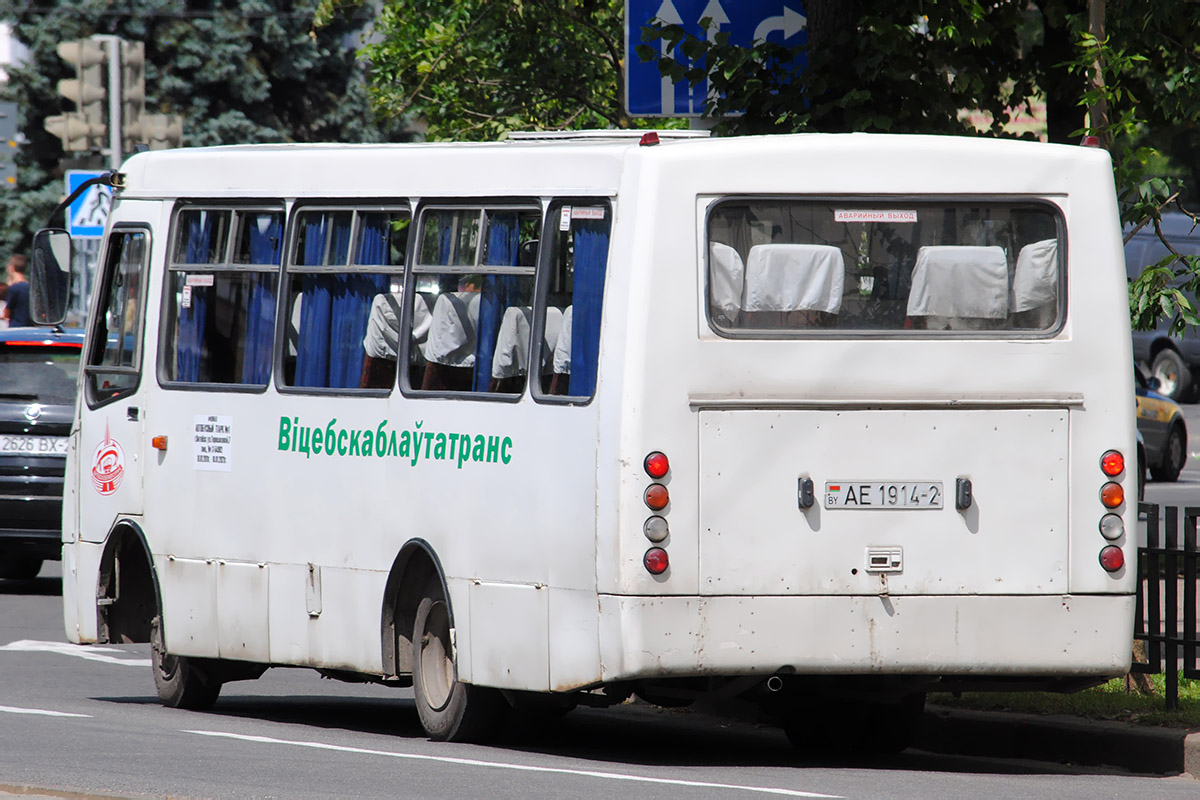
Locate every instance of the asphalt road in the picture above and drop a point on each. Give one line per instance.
(84, 721)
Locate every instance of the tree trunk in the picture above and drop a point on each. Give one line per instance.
(831, 27)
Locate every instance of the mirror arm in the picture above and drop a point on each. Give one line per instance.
(112, 178)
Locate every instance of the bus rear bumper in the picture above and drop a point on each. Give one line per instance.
(1027, 635)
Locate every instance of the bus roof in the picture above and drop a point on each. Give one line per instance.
(587, 163)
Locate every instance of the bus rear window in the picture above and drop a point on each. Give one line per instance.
(788, 267)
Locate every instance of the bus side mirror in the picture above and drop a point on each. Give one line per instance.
(50, 276)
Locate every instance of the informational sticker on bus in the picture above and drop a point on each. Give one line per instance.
(212, 443)
(883, 495)
(873, 215)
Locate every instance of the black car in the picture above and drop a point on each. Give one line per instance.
(1174, 361)
(38, 372)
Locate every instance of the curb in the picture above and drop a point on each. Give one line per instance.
(996, 734)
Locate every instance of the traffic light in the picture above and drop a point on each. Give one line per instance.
(133, 94)
(84, 129)
(162, 131)
(9, 142)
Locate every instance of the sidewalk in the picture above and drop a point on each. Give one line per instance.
(1061, 739)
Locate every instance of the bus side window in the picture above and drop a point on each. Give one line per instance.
(223, 275)
(579, 238)
(345, 273)
(478, 266)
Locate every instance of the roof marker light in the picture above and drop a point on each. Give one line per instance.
(649, 138)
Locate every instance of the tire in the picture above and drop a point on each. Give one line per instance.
(180, 683)
(450, 711)
(1174, 376)
(1174, 456)
(20, 569)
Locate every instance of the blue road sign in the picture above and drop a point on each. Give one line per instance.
(648, 93)
(88, 214)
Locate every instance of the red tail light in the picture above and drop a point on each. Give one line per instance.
(1112, 463)
(1111, 558)
(656, 465)
(655, 561)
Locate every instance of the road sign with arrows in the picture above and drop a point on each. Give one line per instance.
(648, 93)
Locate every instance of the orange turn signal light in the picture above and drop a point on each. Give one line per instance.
(656, 496)
(1112, 495)
(159, 443)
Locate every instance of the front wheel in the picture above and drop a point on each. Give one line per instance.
(450, 711)
(1174, 456)
(180, 683)
(1174, 376)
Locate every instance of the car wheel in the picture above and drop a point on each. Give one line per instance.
(1174, 376)
(21, 569)
(1174, 456)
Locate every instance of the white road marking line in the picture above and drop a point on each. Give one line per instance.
(39, 712)
(470, 762)
(90, 653)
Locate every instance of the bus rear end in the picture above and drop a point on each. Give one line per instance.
(896, 418)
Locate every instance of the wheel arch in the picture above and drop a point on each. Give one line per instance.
(127, 590)
(416, 566)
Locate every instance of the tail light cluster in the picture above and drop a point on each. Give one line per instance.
(1112, 496)
(657, 499)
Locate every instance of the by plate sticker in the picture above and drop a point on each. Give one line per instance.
(212, 443)
(873, 215)
(108, 465)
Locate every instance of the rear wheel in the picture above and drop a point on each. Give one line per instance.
(20, 569)
(1174, 376)
(1174, 456)
(450, 711)
(180, 683)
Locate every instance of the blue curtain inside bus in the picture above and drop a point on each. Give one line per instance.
(498, 293)
(591, 258)
(266, 243)
(335, 306)
(189, 343)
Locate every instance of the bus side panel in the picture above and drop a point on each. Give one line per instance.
(81, 571)
(303, 600)
(574, 639)
(513, 617)
(189, 605)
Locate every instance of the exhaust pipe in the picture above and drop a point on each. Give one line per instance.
(774, 683)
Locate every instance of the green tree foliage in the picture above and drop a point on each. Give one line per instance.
(474, 69)
(235, 70)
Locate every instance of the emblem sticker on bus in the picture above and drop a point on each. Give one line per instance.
(108, 465)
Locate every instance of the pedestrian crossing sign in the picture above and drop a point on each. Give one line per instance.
(88, 214)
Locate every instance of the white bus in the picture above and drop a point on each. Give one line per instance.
(822, 421)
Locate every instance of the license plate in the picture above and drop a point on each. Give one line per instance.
(884, 495)
(33, 445)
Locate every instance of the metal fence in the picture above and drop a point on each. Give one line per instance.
(1165, 619)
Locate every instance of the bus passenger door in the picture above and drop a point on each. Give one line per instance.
(110, 444)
